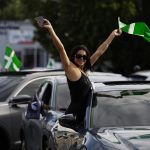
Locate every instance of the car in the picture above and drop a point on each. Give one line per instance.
(140, 75)
(15, 84)
(55, 92)
(105, 76)
(16, 90)
(117, 117)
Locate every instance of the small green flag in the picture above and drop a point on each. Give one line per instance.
(11, 61)
(51, 63)
(137, 28)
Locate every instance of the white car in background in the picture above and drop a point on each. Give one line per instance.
(140, 75)
(105, 76)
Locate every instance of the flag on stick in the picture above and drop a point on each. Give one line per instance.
(137, 28)
(11, 61)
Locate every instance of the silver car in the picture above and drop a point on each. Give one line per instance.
(55, 93)
(14, 85)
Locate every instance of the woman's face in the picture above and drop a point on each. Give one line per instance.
(81, 58)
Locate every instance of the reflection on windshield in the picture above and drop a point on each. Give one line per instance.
(121, 108)
(7, 84)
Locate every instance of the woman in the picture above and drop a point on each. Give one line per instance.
(76, 68)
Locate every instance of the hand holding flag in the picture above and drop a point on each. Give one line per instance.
(137, 28)
(11, 62)
(117, 32)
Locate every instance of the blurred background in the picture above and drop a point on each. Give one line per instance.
(76, 22)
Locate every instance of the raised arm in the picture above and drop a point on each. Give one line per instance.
(103, 47)
(63, 55)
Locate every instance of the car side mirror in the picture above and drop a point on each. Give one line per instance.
(68, 121)
(20, 99)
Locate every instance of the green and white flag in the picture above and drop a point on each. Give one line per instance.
(51, 63)
(11, 61)
(137, 28)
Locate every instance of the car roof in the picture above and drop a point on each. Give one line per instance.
(140, 75)
(143, 73)
(121, 85)
(57, 75)
(96, 73)
(94, 76)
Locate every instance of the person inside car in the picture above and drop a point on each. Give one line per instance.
(76, 68)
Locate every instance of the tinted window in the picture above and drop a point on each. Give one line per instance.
(121, 108)
(31, 88)
(62, 97)
(7, 85)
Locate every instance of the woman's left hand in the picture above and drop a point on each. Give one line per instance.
(117, 32)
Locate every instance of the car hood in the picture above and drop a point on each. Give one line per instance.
(129, 138)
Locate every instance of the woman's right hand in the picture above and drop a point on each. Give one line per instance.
(46, 24)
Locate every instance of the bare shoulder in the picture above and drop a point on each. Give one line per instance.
(73, 72)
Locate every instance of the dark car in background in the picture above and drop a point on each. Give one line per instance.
(117, 117)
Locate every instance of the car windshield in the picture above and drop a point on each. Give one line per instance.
(121, 108)
(7, 84)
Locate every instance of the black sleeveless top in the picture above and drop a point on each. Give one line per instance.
(80, 92)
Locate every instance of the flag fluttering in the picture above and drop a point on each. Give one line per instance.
(137, 28)
(11, 61)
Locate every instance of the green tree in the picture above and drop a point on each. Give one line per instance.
(13, 10)
(88, 22)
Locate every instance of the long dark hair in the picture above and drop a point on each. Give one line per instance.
(75, 50)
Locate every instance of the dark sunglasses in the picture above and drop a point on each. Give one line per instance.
(83, 57)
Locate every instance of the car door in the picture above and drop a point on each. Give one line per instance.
(59, 100)
(44, 94)
(64, 138)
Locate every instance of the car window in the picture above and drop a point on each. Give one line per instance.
(62, 97)
(44, 92)
(7, 84)
(121, 108)
(41, 90)
(31, 88)
(47, 94)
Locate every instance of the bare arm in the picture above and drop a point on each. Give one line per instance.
(63, 55)
(103, 47)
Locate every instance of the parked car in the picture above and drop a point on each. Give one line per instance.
(116, 106)
(12, 85)
(16, 90)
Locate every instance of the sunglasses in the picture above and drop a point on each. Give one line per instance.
(82, 57)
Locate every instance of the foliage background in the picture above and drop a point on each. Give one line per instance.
(88, 22)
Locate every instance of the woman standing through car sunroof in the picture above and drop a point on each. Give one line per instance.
(76, 70)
